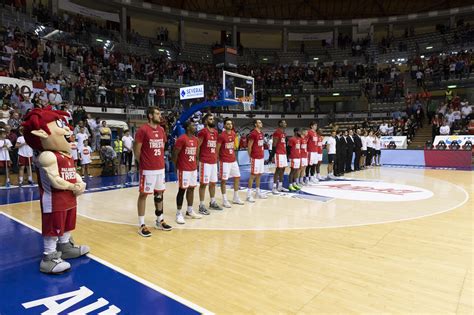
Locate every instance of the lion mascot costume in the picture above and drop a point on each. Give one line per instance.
(46, 131)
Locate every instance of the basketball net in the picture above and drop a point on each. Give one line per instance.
(247, 102)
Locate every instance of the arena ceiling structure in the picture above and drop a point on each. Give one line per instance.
(312, 9)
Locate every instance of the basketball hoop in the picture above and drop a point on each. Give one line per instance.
(247, 102)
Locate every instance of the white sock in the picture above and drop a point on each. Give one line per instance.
(141, 220)
(190, 209)
(213, 200)
(20, 179)
(179, 212)
(49, 244)
(224, 197)
(258, 191)
(30, 178)
(275, 185)
(201, 203)
(236, 195)
(160, 218)
(65, 237)
(249, 192)
(280, 185)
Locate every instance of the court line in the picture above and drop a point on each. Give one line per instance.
(303, 228)
(129, 274)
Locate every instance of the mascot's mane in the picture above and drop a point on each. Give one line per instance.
(39, 118)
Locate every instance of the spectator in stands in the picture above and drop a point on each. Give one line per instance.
(55, 98)
(466, 111)
(444, 130)
(383, 128)
(151, 96)
(105, 134)
(5, 113)
(102, 90)
(14, 122)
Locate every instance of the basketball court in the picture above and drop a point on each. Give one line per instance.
(382, 240)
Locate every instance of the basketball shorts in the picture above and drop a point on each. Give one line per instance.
(229, 170)
(152, 181)
(207, 173)
(295, 163)
(281, 161)
(24, 161)
(187, 179)
(257, 166)
(314, 158)
(57, 222)
(304, 162)
(331, 158)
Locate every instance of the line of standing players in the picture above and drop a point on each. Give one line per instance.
(208, 149)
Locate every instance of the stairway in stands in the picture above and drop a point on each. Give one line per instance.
(421, 136)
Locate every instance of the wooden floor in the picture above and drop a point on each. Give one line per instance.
(277, 264)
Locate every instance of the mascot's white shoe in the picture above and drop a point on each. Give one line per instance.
(69, 250)
(53, 264)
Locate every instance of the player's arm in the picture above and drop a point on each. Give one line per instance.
(198, 152)
(219, 145)
(249, 146)
(137, 149)
(174, 155)
(273, 148)
(48, 162)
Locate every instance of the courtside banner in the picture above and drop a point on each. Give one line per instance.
(190, 92)
(400, 141)
(461, 139)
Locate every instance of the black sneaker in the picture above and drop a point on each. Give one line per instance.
(144, 231)
(163, 226)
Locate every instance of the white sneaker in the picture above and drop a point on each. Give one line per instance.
(226, 204)
(250, 199)
(275, 191)
(237, 201)
(261, 196)
(192, 215)
(314, 180)
(283, 189)
(180, 218)
(319, 177)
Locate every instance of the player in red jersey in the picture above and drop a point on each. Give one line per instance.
(295, 159)
(149, 148)
(281, 161)
(185, 159)
(313, 155)
(228, 167)
(59, 184)
(304, 158)
(256, 155)
(207, 153)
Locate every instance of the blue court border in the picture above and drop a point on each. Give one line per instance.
(21, 281)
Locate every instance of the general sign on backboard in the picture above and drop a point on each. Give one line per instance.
(190, 92)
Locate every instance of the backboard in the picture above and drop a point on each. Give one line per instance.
(237, 87)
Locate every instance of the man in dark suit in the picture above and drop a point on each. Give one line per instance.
(340, 154)
(348, 135)
(357, 149)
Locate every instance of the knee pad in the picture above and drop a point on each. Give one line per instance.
(158, 198)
